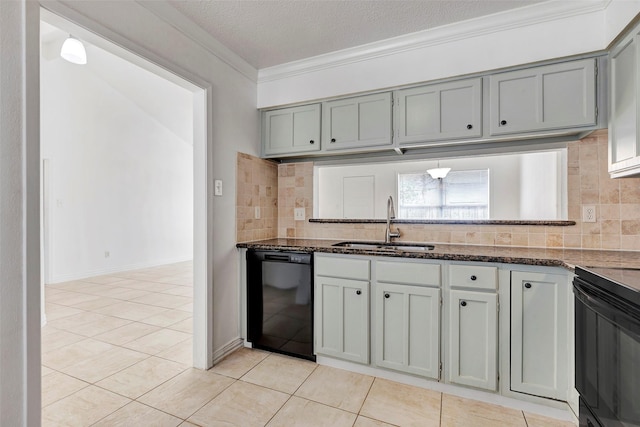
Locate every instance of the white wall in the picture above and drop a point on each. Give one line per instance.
(617, 15)
(120, 180)
(510, 186)
(19, 215)
(543, 177)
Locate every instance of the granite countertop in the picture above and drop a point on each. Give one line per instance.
(567, 258)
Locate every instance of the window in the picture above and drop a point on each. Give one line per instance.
(460, 195)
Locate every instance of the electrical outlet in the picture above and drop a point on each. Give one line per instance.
(257, 212)
(217, 187)
(588, 213)
(298, 214)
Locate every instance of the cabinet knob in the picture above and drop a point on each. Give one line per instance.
(469, 126)
(311, 142)
(358, 292)
(527, 285)
(333, 140)
(473, 277)
(387, 295)
(463, 303)
(503, 122)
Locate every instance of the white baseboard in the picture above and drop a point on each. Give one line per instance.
(227, 349)
(78, 275)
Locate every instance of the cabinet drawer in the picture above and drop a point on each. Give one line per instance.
(409, 273)
(348, 268)
(473, 276)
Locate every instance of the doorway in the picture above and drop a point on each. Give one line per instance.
(200, 160)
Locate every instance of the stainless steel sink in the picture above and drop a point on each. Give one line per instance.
(413, 247)
(398, 247)
(363, 245)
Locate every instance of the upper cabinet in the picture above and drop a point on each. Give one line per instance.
(546, 103)
(624, 144)
(291, 130)
(360, 122)
(543, 98)
(439, 112)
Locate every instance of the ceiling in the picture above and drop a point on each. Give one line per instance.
(266, 33)
(146, 90)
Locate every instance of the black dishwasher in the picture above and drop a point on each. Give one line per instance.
(280, 302)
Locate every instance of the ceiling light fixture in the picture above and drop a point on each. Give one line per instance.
(438, 172)
(73, 51)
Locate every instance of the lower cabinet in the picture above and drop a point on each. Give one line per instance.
(473, 339)
(392, 308)
(407, 328)
(342, 318)
(539, 341)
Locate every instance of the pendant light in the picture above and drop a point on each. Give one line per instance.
(438, 172)
(73, 51)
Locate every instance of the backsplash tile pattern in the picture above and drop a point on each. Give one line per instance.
(295, 190)
(257, 185)
(617, 203)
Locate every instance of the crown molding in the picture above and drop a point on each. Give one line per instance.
(177, 20)
(512, 19)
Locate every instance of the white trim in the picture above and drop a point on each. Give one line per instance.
(177, 20)
(106, 271)
(203, 237)
(503, 21)
(227, 349)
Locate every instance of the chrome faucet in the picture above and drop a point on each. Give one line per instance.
(391, 214)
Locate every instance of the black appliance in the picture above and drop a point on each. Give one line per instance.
(607, 347)
(280, 302)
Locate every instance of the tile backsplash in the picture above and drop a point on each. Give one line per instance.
(256, 186)
(616, 202)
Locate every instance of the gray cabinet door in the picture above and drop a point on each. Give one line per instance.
(473, 339)
(539, 344)
(439, 112)
(360, 122)
(624, 145)
(291, 130)
(342, 318)
(543, 98)
(407, 328)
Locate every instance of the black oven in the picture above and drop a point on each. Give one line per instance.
(607, 346)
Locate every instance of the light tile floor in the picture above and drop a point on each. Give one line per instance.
(117, 352)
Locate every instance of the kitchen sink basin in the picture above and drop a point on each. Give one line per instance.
(368, 246)
(399, 247)
(412, 247)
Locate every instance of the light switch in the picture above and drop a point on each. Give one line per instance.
(298, 214)
(217, 187)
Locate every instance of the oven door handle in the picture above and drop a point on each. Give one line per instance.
(614, 310)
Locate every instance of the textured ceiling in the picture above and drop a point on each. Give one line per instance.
(266, 33)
